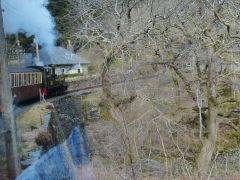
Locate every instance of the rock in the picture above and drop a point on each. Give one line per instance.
(55, 129)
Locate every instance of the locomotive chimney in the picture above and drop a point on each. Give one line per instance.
(37, 48)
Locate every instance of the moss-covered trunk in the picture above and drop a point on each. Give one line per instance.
(209, 143)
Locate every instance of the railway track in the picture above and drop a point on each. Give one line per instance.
(115, 83)
(20, 109)
(98, 87)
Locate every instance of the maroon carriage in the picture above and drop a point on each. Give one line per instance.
(25, 83)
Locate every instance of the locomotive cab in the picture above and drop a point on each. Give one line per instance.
(53, 84)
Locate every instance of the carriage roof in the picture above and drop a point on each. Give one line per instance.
(22, 70)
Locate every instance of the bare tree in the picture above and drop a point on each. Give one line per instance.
(203, 30)
(175, 33)
(111, 26)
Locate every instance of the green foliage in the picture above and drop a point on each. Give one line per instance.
(26, 42)
(58, 7)
(11, 39)
(63, 12)
(59, 10)
(23, 147)
(26, 147)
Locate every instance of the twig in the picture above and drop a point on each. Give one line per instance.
(199, 104)
(164, 151)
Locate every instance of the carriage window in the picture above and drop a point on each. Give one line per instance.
(36, 78)
(24, 79)
(14, 85)
(33, 78)
(29, 78)
(15, 80)
(12, 80)
(40, 80)
(20, 80)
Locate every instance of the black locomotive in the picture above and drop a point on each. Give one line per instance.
(27, 83)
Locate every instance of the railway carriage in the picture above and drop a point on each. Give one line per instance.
(25, 83)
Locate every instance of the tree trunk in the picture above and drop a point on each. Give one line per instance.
(207, 150)
(9, 123)
(106, 84)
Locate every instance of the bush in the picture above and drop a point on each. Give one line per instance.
(44, 139)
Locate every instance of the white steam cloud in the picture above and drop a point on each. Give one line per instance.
(30, 17)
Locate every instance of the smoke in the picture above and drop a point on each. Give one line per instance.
(30, 17)
(38, 63)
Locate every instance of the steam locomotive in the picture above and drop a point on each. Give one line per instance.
(28, 83)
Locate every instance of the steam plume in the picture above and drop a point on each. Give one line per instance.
(30, 17)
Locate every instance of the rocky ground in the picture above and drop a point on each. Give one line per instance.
(68, 113)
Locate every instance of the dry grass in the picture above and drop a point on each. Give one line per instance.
(30, 125)
(32, 117)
